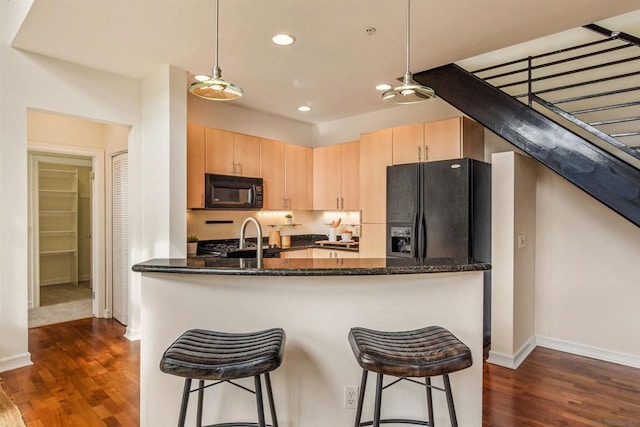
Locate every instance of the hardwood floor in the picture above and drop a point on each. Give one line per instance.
(86, 374)
(552, 388)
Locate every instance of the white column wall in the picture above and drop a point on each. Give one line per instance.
(34, 81)
(159, 185)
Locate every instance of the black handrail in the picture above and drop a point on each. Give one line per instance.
(606, 74)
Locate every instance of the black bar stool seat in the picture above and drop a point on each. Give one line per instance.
(220, 356)
(421, 353)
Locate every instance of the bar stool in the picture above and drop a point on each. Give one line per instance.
(222, 357)
(425, 353)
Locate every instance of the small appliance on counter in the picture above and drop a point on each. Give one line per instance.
(274, 238)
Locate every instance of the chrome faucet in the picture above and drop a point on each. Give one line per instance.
(243, 228)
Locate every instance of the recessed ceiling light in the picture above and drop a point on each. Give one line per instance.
(283, 39)
(383, 86)
(201, 77)
(304, 108)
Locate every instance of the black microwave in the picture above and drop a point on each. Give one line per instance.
(232, 192)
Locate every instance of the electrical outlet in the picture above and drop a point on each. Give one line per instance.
(351, 397)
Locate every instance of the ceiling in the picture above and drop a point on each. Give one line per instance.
(334, 64)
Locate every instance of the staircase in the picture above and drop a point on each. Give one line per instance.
(574, 109)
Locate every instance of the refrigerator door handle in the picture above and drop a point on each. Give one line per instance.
(422, 237)
(415, 244)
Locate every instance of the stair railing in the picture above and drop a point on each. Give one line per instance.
(582, 84)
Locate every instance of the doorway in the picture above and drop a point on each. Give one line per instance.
(55, 135)
(61, 189)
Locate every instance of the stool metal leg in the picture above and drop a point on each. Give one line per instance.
(429, 400)
(259, 402)
(363, 386)
(452, 409)
(272, 406)
(200, 399)
(376, 410)
(185, 401)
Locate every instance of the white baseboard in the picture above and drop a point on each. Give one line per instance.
(84, 278)
(512, 361)
(15, 362)
(55, 281)
(132, 334)
(587, 351)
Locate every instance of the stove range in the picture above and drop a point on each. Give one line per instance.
(231, 250)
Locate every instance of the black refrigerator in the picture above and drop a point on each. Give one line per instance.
(442, 210)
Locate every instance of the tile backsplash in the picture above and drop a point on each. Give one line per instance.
(307, 222)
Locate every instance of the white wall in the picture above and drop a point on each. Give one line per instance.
(587, 276)
(235, 119)
(33, 81)
(350, 129)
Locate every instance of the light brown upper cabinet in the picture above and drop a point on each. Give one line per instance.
(441, 140)
(284, 171)
(296, 177)
(230, 153)
(195, 166)
(272, 172)
(375, 156)
(408, 144)
(336, 174)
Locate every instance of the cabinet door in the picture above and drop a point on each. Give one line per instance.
(272, 161)
(350, 176)
(408, 144)
(295, 179)
(219, 148)
(195, 166)
(247, 155)
(373, 240)
(375, 156)
(443, 139)
(347, 254)
(472, 139)
(302, 253)
(310, 190)
(326, 178)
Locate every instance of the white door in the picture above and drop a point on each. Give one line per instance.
(120, 237)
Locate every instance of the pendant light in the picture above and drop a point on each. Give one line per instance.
(215, 88)
(409, 92)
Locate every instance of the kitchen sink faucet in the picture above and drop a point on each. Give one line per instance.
(243, 228)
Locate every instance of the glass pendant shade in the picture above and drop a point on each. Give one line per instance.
(216, 88)
(410, 91)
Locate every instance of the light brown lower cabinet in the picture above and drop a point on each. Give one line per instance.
(333, 253)
(373, 240)
(302, 253)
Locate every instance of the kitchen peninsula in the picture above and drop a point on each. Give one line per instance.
(316, 302)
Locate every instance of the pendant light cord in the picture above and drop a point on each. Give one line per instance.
(408, 33)
(217, 24)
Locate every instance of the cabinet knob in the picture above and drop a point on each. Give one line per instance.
(233, 168)
(337, 202)
(419, 153)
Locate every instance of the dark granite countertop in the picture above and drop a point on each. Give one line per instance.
(308, 266)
